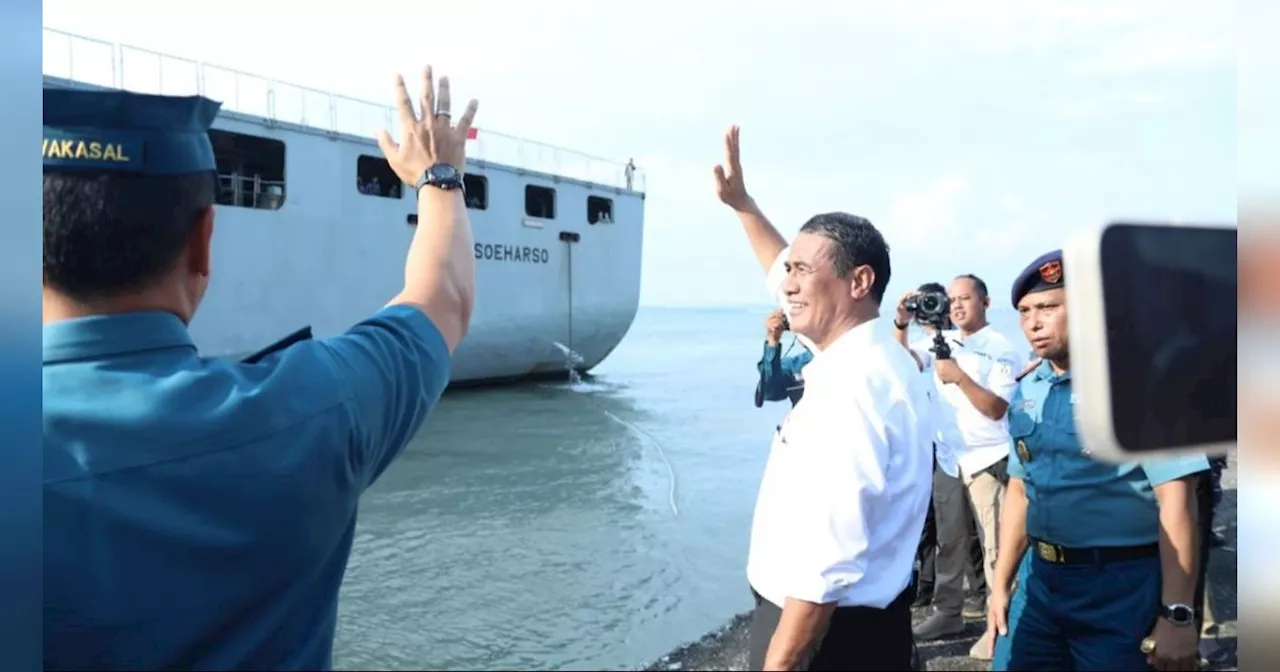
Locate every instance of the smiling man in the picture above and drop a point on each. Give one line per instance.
(848, 478)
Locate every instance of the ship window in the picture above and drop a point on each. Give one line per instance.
(374, 177)
(599, 210)
(539, 202)
(250, 170)
(477, 189)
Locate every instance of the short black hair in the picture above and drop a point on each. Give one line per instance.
(855, 242)
(108, 233)
(935, 287)
(977, 282)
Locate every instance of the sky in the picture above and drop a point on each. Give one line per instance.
(975, 135)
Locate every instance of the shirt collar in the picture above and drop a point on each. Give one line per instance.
(109, 335)
(849, 342)
(1045, 372)
(975, 337)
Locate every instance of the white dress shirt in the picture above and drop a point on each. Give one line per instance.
(972, 441)
(946, 440)
(843, 499)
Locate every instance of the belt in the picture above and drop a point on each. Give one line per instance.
(1060, 555)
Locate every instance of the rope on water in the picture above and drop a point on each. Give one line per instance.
(671, 473)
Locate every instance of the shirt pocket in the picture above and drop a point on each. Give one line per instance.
(1021, 424)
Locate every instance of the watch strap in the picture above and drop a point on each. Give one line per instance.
(1178, 614)
(432, 177)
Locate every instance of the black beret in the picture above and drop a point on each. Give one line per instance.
(1043, 273)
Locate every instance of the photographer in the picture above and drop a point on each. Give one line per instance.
(780, 374)
(975, 600)
(975, 371)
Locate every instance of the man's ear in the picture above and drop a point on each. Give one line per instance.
(860, 282)
(200, 245)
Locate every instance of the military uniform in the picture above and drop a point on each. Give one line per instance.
(1089, 588)
(199, 513)
(780, 376)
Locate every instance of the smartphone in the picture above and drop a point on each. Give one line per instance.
(1151, 315)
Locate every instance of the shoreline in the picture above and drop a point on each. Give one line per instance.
(726, 647)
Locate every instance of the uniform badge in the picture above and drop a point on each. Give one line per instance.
(1051, 272)
(1023, 453)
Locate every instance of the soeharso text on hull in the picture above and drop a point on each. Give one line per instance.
(532, 255)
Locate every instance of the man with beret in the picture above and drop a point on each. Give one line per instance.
(1113, 548)
(199, 512)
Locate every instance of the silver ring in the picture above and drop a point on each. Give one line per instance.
(443, 113)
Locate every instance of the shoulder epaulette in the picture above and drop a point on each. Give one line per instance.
(303, 334)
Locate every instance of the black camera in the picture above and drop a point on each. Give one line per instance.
(933, 309)
(930, 307)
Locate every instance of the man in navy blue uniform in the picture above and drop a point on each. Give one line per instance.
(780, 376)
(1112, 548)
(199, 513)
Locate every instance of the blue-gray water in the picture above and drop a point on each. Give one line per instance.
(535, 527)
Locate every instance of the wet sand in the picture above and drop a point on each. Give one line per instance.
(726, 649)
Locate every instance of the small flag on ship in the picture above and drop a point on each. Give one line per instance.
(472, 133)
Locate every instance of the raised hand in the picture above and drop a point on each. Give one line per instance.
(902, 315)
(774, 325)
(730, 187)
(430, 138)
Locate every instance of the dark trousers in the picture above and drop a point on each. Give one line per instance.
(927, 556)
(1088, 618)
(857, 638)
(1206, 502)
(959, 550)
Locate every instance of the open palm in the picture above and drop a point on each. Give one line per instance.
(730, 187)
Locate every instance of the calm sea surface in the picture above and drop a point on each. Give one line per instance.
(595, 525)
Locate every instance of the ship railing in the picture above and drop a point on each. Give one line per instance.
(249, 191)
(101, 63)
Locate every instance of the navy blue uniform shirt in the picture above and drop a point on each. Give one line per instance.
(198, 513)
(1075, 500)
(780, 375)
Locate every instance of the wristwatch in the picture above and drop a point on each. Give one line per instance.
(442, 176)
(1178, 614)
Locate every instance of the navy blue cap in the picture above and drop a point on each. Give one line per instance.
(126, 131)
(1043, 273)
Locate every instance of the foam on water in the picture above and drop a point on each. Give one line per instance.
(574, 360)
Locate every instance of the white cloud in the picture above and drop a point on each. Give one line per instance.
(1156, 50)
(843, 102)
(927, 214)
(1103, 105)
(1077, 109)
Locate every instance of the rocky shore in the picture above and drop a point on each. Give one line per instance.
(726, 648)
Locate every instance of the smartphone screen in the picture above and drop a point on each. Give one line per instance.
(1169, 295)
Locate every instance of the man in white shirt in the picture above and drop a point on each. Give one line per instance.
(848, 478)
(975, 602)
(974, 386)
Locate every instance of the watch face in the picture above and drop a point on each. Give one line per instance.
(444, 172)
(1181, 614)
